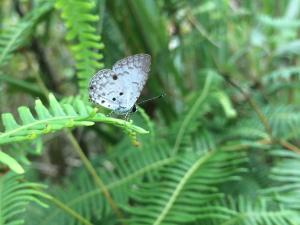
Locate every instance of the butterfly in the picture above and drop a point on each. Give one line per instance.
(119, 88)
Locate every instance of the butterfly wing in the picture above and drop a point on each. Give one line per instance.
(103, 89)
(119, 88)
(133, 73)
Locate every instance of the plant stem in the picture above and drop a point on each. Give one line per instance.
(99, 183)
(46, 69)
(191, 114)
(85, 160)
(263, 119)
(68, 210)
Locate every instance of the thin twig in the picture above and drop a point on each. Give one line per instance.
(68, 210)
(253, 104)
(201, 29)
(263, 119)
(94, 175)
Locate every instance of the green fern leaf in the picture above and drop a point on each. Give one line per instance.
(284, 120)
(78, 19)
(241, 210)
(11, 163)
(15, 196)
(16, 36)
(119, 173)
(184, 187)
(285, 175)
(187, 123)
(58, 117)
(207, 100)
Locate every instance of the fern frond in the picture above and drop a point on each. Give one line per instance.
(186, 125)
(288, 49)
(208, 99)
(16, 154)
(286, 177)
(278, 23)
(119, 174)
(242, 210)
(246, 129)
(78, 19)
(284, 120)
(15, 195)
(16, 36)
(10, 162)
(283, 74)
(58, 116)
(184, 187)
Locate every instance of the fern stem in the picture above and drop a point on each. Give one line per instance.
(289, 146)
(180, 186)
(68, 210)
(41, 85)
(190, 115)
(94, 175)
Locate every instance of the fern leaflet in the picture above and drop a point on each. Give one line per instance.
(14, 37)
(78, 18)
(15, 196)
(59, 116)
(192, 179)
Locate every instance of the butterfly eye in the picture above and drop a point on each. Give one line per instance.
(114, 99)
(115, 77)
(133, 109)
(121, 93)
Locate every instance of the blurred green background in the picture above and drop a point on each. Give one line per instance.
(221, 146)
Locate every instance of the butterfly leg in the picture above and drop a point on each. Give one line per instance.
(110, 114)
(127, 116)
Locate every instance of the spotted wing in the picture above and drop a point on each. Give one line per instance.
(119, 88)
(103, 89)
(133, 73)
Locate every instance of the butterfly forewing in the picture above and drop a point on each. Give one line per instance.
(119, 88)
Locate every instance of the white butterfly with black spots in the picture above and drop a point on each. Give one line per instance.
(119, 88)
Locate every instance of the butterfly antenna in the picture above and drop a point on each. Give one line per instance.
(151, 99)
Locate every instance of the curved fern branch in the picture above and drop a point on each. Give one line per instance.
(191, 114)
(58, 117)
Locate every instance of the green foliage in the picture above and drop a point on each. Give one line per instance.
(190, 180)
(285, 175)
(118, 173)
(14, 37)
(221, 146)
(58, 116)
(78, 19)
(15, 194)
(11, 163)
(246, 211)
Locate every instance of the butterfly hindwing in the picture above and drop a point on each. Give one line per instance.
(119, 88)
(102, 89)
(133, 72)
